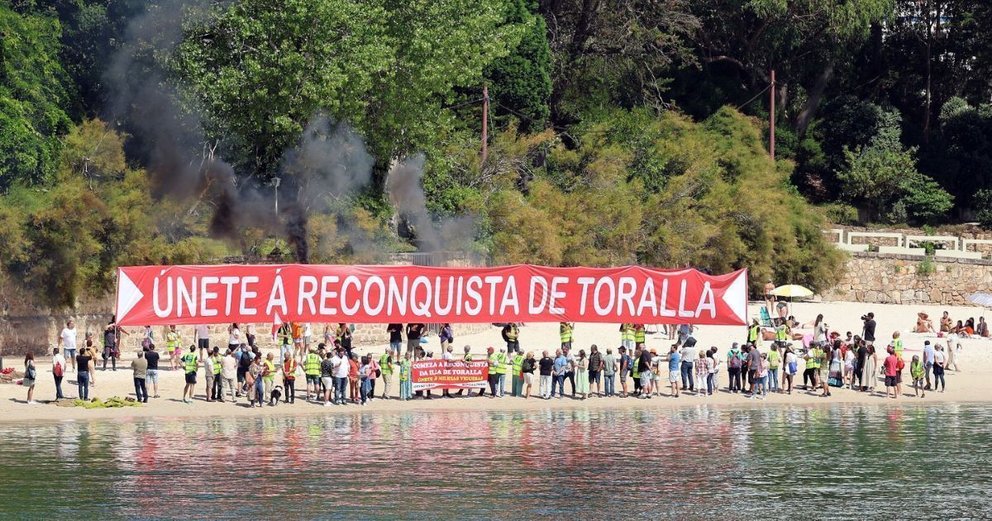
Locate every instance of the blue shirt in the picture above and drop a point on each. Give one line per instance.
(674, 359)
(560, 363)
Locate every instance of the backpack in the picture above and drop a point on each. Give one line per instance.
(735, 360)
(57, 370)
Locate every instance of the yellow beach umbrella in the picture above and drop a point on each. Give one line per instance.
(792, 291)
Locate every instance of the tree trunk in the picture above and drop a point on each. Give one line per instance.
(815, 96)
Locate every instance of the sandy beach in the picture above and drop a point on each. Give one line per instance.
(971, 384)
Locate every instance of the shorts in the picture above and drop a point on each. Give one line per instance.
(899, 377)
(528, 378)
(646, 378)
(593, 377)
(673, 377)
(70, 354)
(623, 377)
(395, 347)
(313, 379)
(326, 380)
(151, 376)
(191, 378)
(890, 381)
(203, 343)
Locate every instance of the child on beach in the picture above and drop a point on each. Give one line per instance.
(791, 368)
(916, 371)
(406, 386)
(674, 367)
(353, 377)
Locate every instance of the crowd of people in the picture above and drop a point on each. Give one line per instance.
(332, 373)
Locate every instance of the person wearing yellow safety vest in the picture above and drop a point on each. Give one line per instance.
(511, 335)
(269, 374)
(502, 360)
(172, 341)
(640, 336)
(627, 337)
(754, 332)
(289, 366)
(190, 362)
(493, 377)
(518, 376)
(566, 331)
(311, 368)
(386, 368)
(813, 358)
(217, 362)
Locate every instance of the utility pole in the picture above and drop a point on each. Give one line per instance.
(771, 134)
(485, 122)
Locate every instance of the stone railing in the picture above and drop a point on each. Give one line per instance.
(895, 243)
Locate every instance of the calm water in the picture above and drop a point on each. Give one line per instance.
(839, 462)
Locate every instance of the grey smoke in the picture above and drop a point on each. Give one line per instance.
(405, 187)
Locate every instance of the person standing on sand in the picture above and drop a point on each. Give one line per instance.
(734, 368)
(624, 370)
(688, 355)
(58, 371)
(582, 374)
(517, 376)
(208, 375)
(327, 368)
(406, 384)
(386, 371)
(560, 367)
(927, 362)
(769, 298)
(791, 368)
(289, 378)
(527, 370)
(201, 337)
(570, 368)
(112, 343)
(566, 332)
(774, 362)
(256, 389)
(952, 347)
(190, 363)
(610, 373)
(341, 368)
(890, 372)
(545, 367)
(30, 375)
(644, 367)
(139, 370)
(701, 374)
(493, 377)
(83, 361)
(916, 372)
(172, 343)
(67, 341)
(939, 364)
(595, 368)
(413, 333)
(868, 332)
(228, 374)
(635, 372)
(674, 369)
(151, 374)
(870, 372)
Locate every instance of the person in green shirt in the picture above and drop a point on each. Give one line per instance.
(916, 372)
(190, 362)
(386, 370)
(406, 385)
(812, 357)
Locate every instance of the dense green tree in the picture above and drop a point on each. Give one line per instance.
(263, 69)
(32, 96)
(520, 83)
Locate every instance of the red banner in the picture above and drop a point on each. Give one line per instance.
(448, 374)
(150, 295)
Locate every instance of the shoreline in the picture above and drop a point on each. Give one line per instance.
(174, 409)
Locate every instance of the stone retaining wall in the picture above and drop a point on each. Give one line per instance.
(897, 279)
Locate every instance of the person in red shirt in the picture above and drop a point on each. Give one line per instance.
(891, 366)
(353, 377)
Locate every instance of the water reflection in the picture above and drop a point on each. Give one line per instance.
(843, 461)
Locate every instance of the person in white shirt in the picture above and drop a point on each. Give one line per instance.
(228, 373)
(67, 341)
(58, 369)
(234, 336)
(341, 369)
